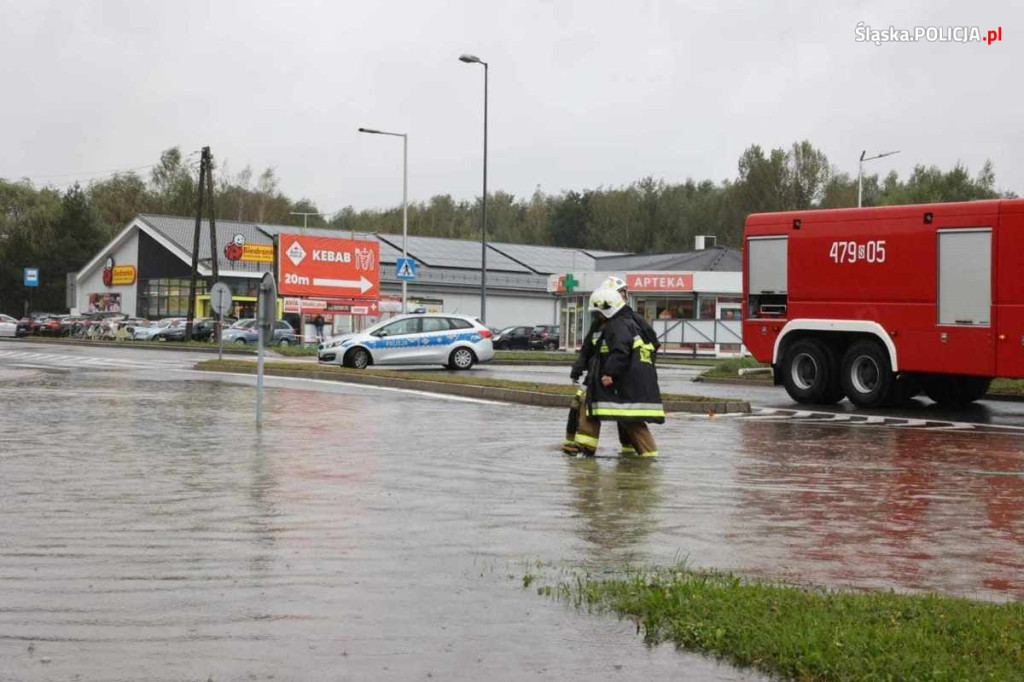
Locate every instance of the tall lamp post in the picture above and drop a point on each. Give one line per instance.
(471, 59)
(405, 202)
(860, 172)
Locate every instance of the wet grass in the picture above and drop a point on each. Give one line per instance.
(729, 369)
(451, 378)
(1007, 387)
(809, 633)
(567, 357)
(297, 351)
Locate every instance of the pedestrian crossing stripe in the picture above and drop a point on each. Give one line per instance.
(53, 359)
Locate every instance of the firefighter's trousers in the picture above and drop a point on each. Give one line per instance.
(583, 432)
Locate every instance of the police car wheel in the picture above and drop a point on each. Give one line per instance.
(461, 358)
(357, 358)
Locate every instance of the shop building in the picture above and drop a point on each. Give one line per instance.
(145, 271)
(693, 300)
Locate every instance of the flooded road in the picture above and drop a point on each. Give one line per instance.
(148, 532)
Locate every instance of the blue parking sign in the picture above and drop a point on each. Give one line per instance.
(31, 277)
(405, 269)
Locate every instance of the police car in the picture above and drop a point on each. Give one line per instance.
(455, 341)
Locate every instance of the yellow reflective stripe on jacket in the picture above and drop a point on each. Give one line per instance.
(625, 412)
(646, 349)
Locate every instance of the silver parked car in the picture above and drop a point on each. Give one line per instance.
(246, 332)
(455, 341)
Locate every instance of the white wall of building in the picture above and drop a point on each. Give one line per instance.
(126, 253)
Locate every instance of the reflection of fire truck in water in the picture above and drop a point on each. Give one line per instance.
(878, 304)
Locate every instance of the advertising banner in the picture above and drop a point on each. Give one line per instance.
(104, 303)
(327, 267)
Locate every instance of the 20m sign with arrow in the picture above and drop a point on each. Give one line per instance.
(328, 267)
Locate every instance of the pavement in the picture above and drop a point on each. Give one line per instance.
(150, 531)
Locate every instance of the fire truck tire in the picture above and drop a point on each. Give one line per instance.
(806, 370)
(955, 390)
(834, 393)
(867, 374)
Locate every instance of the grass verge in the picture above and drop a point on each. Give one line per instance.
(296, 351)
(1007, 387)
(453, 378)
(729, 369)
(811, 633)
(172, 345)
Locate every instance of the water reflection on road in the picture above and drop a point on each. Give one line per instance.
(148, 531)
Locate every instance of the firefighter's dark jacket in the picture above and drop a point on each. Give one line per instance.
(590, 341)
(622, 352)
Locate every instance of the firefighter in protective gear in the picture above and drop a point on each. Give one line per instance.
(649, 334)
(622, 382)
(581, 433)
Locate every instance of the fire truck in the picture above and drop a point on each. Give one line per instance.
(879, 304)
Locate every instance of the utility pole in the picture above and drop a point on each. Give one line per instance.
(214, 255)
(204, 160)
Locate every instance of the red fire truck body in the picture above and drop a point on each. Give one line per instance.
(876, 304)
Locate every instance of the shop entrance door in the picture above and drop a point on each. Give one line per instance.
(572, 322)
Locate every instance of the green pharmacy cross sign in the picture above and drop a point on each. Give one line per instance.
(569, 283)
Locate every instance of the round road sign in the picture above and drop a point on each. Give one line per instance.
(220, 298)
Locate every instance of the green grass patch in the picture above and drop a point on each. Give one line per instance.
(296, 351)
(811, 633)
(452, 378)
(729, 369)
(1007, 387)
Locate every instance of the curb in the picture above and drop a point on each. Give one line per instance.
(732, 382)
(124, 344)
(508, 395)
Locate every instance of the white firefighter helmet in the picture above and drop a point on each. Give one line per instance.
(616, 283)
(606, 301)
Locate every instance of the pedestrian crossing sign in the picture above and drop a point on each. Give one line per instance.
(405, 269)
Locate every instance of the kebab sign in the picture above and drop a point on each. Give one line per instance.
(328, 267)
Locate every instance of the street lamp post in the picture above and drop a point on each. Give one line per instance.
(471, 59)
(860, 173)
(405, 202)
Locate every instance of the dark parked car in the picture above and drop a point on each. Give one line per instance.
(545, 336)
(513, 338)
(205, 329)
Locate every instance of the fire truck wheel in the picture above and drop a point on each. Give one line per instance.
(834, 393)
(867, 374)
(806, 370)
(954, 390)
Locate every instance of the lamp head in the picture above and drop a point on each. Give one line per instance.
(469, 59)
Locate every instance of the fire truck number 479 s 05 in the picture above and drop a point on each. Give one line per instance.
(880, 304)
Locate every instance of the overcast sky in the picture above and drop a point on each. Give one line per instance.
(582, 94)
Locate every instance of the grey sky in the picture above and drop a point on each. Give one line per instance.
(582, 94)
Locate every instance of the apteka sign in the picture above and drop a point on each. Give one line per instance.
(328, 267)
(660, 281)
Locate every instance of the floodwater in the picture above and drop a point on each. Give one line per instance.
(148, 532)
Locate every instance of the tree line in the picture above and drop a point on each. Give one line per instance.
(59, 230)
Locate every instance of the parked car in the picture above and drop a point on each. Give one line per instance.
(69, 323)
(205, 329)
(513, 338)
(173, 331)
(455, 341)
(147, 333)
(245, 332)
(8, 325)
(545, 336)
(48, 326)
